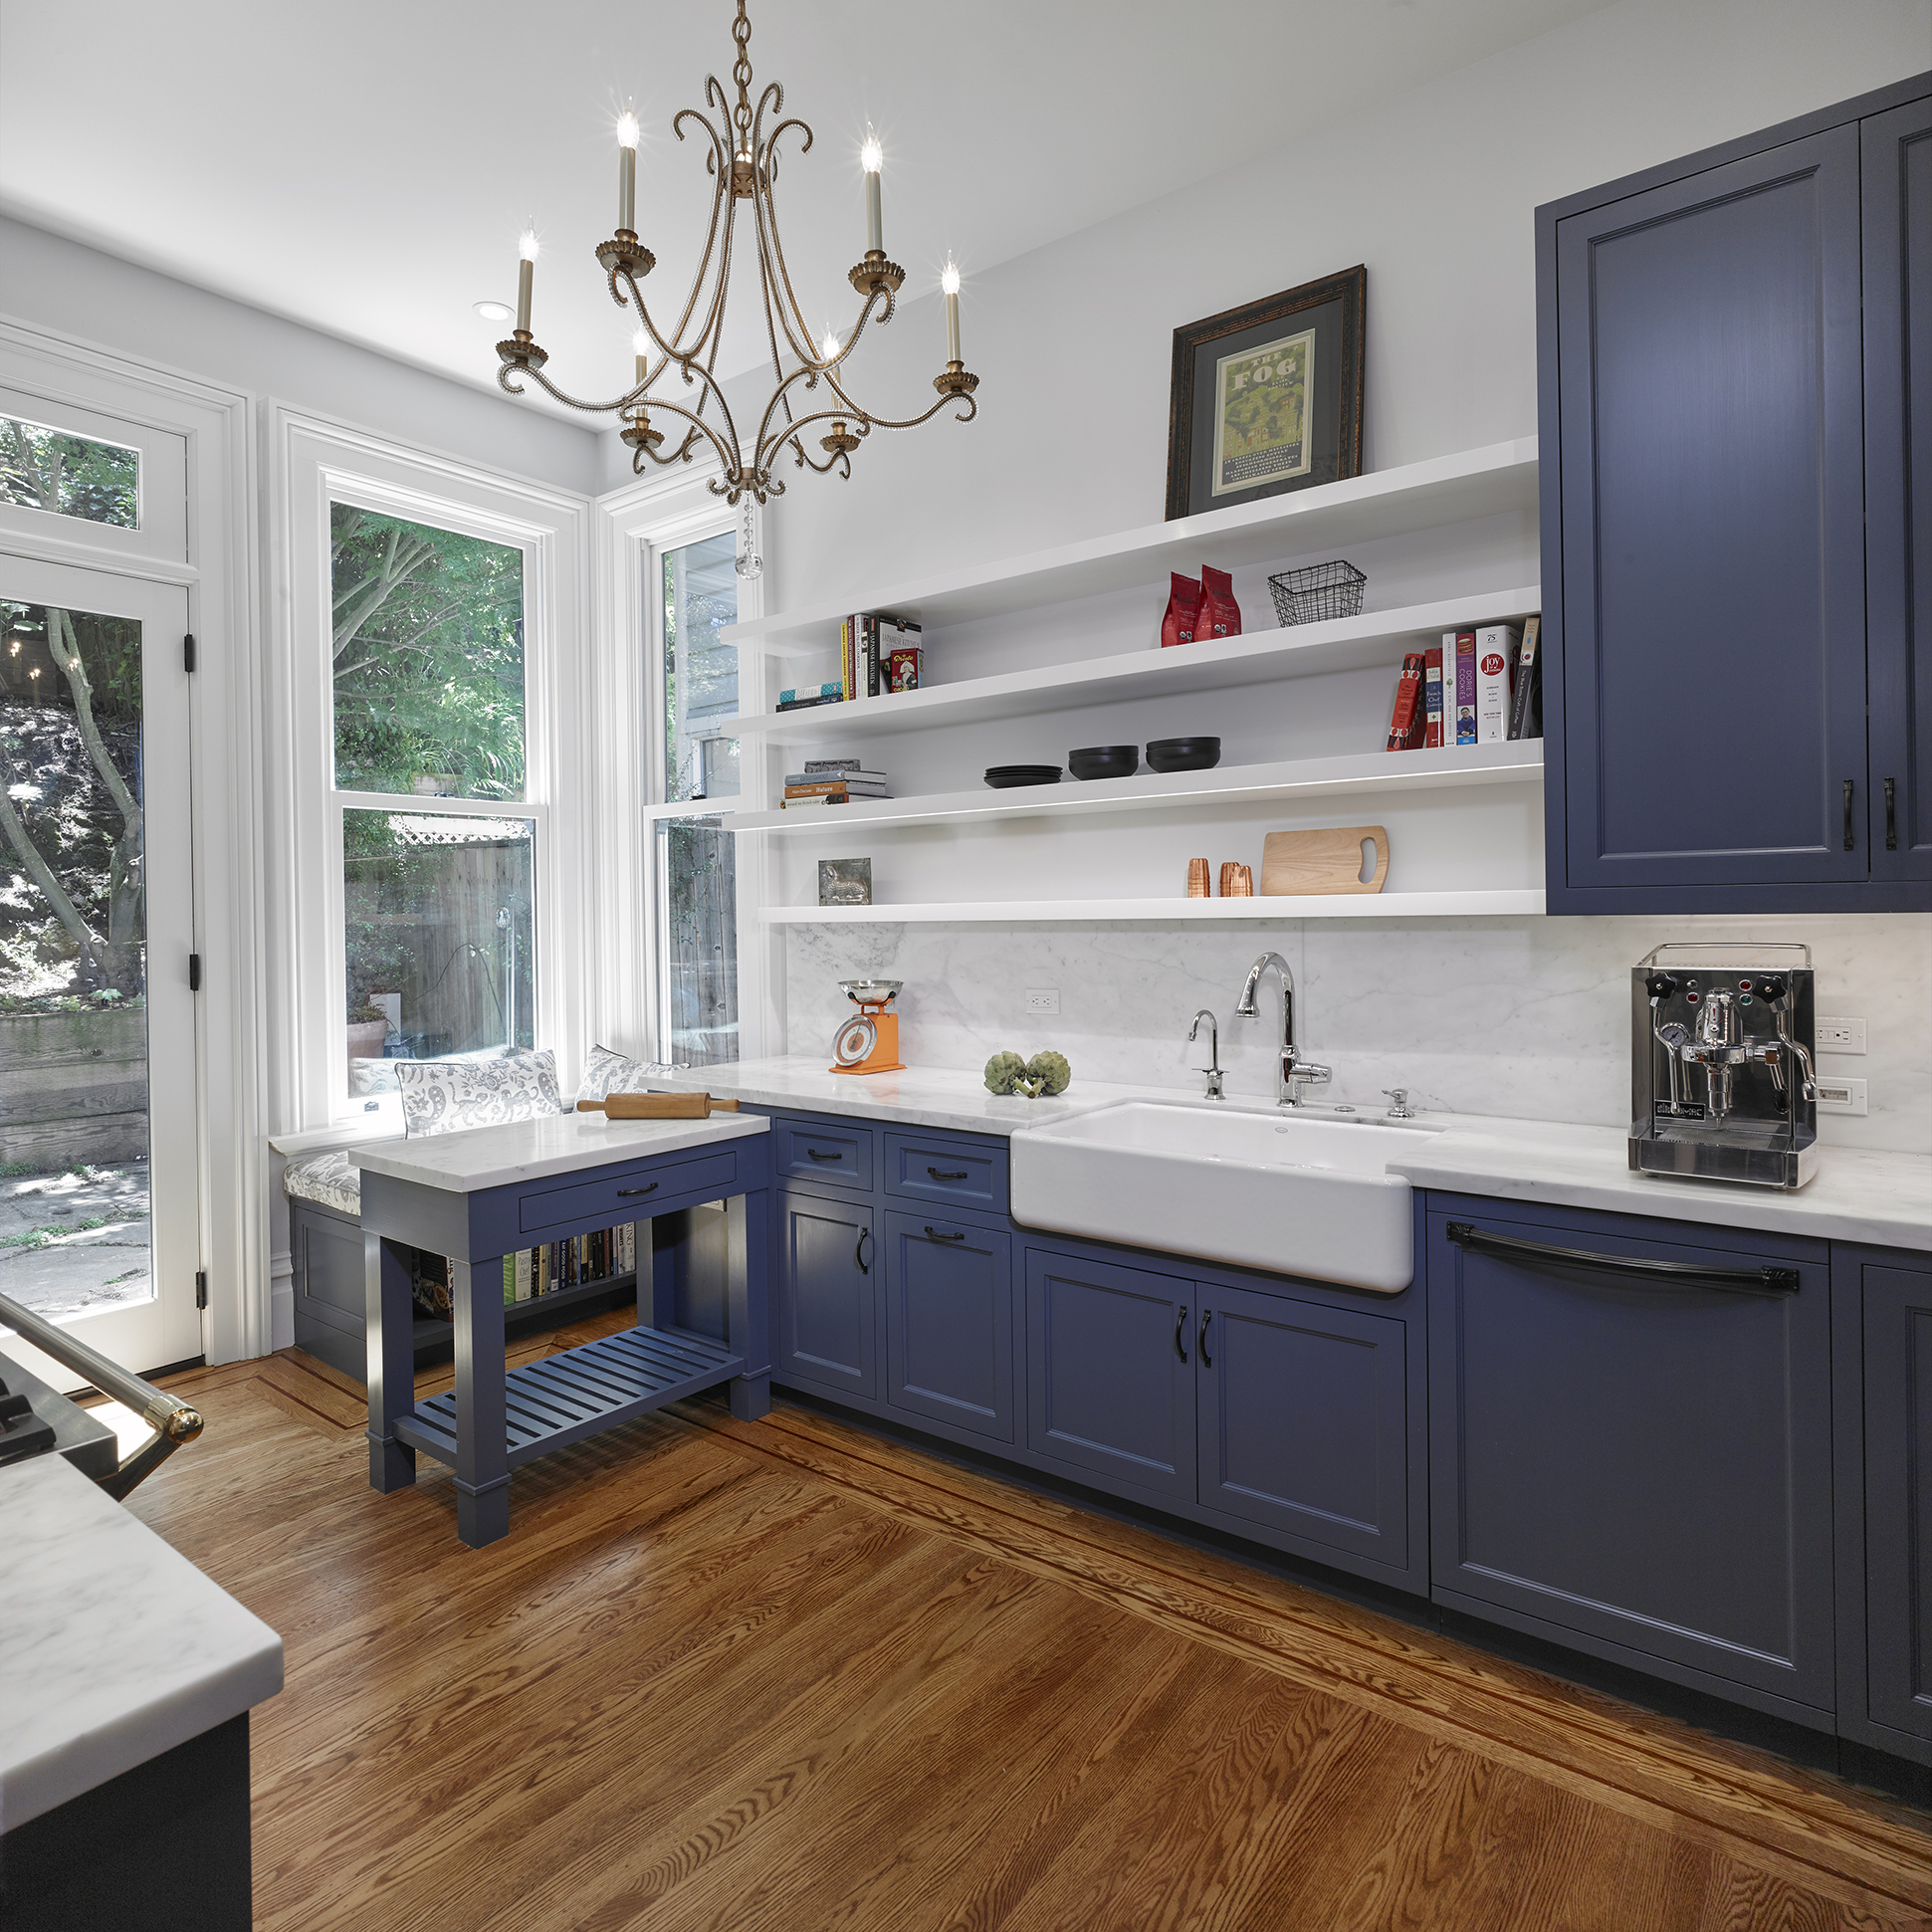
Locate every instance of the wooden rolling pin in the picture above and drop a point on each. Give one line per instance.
(656, 1107)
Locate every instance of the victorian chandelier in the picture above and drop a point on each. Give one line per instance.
(743, 161)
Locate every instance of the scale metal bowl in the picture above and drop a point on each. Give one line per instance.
(869, 993)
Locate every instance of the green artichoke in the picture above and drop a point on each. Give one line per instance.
(1004, 1072)
(1046, 1073)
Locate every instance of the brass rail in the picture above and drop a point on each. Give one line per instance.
(173, 1423)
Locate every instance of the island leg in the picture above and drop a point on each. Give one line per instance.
(747, 1301)
(391, 1320)
(482, 1451)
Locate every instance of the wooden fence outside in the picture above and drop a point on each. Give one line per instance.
(73, 1088)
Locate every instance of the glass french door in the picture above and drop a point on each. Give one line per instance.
(100, 1195)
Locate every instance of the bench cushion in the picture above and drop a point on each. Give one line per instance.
(329, 1179)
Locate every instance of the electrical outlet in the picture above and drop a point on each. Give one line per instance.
(1043, 1002)
(1840, 1096)
(1840, 1036)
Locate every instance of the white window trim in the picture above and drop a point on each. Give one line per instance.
(635, 526)
(316, 460)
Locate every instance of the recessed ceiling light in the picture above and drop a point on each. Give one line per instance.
(496, 311)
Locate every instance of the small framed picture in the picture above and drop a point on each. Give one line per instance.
(845, 882)
(1267, 398)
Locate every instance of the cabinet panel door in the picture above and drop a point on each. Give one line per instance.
(950, 1322)
(1898, 1501)
(1646, 1464)
(824, 1315)
(1304, 1420)
(1899, 484)
(1109, 1373)
(1713, 650)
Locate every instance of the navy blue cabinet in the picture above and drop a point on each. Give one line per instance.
(824, 1327)
(1109, 1373)
(1706, 391)
(1631, 1443)
(1882, 1308)
(1304, 1420)
(949, 1297)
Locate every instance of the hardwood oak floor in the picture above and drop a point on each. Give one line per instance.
(782, 1674)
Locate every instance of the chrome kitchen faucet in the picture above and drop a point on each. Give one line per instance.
(1214, 1067)
(1292, 1072)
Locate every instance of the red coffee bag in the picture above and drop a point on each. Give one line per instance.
(1220, 615)
(1184, 610)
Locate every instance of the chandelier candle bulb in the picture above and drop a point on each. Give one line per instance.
(640, 348)
(949, 282)
(627, 171)
(525, 270)
(872, 160)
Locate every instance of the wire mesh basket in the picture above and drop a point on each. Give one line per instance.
(1318, 592)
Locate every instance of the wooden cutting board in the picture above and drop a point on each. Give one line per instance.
(1330, 861)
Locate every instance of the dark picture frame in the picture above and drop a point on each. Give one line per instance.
(1292, 420)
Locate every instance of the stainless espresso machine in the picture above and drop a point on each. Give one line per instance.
(1722, 1080)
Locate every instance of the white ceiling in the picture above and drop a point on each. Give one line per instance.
(366, 166)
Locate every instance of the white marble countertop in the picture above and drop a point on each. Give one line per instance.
(114, 1648)
(474, 1158)
(1857, 1195)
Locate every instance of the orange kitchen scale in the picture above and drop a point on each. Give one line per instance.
(868, 1042)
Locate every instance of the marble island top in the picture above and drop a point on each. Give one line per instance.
(474, 1158)
(1857, 1195)
(114, 1648)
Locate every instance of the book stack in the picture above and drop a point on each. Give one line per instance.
(829, 693)
(832, 781)
(879, 652)
(580, 1262)
(1477, 686)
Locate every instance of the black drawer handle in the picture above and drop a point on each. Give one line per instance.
(816, 1155)
(1660, 1274)
(938, 1175)
(858, 1251)
(1891, 815)
(1849, 842)
(1180, 1332)
(624, 1193)
(1206, 1359)
(934, 1234)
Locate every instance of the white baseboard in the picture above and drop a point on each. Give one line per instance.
(282, 1300)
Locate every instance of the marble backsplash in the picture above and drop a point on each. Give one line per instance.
(1519, 1016)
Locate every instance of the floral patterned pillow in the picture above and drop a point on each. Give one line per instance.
(443, 1096)
(606, 1073)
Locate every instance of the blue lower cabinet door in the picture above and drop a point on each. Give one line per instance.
(950, 1322)
(1110, 1370)
(1304, 1420)
(1638, 1457)
(828, 1270)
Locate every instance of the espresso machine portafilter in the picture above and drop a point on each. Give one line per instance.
(1722, 1080)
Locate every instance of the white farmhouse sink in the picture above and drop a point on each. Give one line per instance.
(1294, 1194)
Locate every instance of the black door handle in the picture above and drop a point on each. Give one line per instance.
(1849, 842)
(1180, 1332)
(816, 1155)
(1656, 1274)
(1206, 1359)
(625, 1194)
(858, 1251)
(933, 1234)
(1891, 815)
(937, 1176)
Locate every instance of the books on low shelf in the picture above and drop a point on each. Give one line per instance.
(1481, 686)
(582, 1261)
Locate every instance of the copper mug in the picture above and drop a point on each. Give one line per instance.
(1198, 886)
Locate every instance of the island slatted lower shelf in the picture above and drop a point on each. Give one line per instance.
(562, 1399)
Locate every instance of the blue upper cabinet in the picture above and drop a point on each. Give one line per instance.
(1716, 624)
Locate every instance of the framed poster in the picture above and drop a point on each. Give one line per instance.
(1267, 398)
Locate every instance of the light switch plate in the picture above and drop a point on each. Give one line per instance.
(1840, 1096)
(1043, 1002)
(1840, 1036)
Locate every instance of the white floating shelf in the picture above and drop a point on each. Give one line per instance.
(1386, 503)
(1068, 912)
(1298, 778)
(1259, 657)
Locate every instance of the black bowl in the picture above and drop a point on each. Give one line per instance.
(1104, 761)
(1183, 753)
(1003, 777)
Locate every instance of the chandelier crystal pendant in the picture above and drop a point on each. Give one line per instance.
(743, 164)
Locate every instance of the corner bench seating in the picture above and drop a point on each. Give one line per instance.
(325, 1195)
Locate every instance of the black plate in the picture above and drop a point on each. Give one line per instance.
(1183, 753)
(1104, 761)
(1044, 774)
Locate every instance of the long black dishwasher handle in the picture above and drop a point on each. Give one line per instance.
(1655, 1274)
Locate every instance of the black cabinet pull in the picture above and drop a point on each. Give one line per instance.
(1180, 1332)
(934, 1234)
(961, 1175)
(1891, 815)
(1206, 1359)
(624, 1193)
(858, 1251)
(816, 1155)
(1849, 842)
(1656, 1274)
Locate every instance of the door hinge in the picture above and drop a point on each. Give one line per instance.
(188, 652)
(201, 1287)
(194, 971)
